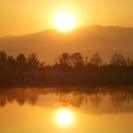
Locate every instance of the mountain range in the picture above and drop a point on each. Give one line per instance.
(49, 44)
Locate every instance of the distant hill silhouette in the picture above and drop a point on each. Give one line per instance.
(87, 40)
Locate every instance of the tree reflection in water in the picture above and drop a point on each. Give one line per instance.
(68, 97)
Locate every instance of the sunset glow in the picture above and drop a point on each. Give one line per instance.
(66, 66)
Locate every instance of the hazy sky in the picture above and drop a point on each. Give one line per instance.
(25, 16)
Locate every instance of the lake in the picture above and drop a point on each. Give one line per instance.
(66, 110)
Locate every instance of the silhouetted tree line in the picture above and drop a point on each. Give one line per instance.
(77, 60)
(66, 60)
(69, 69)
(21, 62)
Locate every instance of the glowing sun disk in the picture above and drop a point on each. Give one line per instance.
(65, 21)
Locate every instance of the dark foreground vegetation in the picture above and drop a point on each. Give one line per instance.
(68, 70)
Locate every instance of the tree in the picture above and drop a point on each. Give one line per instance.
(11, 62)
(86, 60)
(77, 60)
(21, 59)
(64, 59)
(74, 60)
(96, 60)
(129, 61)
(33, 61)
(118, 60)
(3, 59)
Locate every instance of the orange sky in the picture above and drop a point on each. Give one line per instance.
(25, 16)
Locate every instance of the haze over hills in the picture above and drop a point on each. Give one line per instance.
(87, 40)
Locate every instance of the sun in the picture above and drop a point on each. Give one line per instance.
(64, 117)
(65, 21)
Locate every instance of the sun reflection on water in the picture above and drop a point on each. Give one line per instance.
(64, 117)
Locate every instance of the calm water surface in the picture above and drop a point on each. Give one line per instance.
(93, 110)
